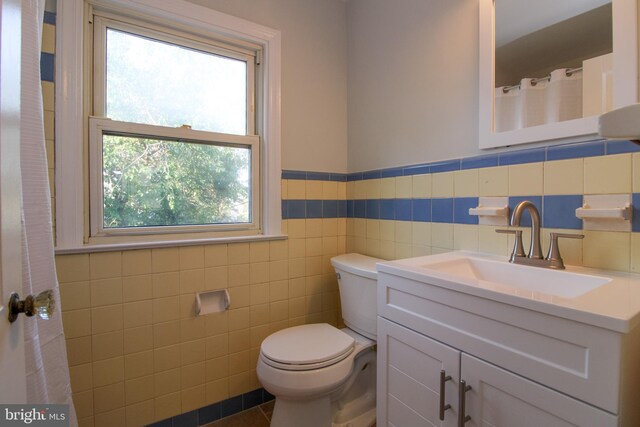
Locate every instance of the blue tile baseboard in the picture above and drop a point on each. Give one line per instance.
(216, 411)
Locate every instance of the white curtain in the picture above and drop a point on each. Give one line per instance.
(46, 355)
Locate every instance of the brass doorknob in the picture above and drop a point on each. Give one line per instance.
(42, 305)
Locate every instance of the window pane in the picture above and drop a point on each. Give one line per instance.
(153, 182)
(158, 83)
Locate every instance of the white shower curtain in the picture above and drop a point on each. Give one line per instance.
(46, 356)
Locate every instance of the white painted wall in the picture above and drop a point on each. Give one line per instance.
(413, 71)
(314, 76)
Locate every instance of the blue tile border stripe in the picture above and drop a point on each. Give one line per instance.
(216, 411)
(315, 176)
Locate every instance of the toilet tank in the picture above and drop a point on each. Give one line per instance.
(357, 281)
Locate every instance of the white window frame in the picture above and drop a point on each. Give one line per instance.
(72, 175)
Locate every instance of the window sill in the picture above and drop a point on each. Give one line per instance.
(93, 248)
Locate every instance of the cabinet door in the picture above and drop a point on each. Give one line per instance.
(501, 399)
(409, 366)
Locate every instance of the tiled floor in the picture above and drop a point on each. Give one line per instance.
(260, 416)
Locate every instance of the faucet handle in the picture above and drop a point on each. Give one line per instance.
(518, 248)
(553, 256)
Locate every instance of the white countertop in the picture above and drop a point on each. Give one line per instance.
(614, 305)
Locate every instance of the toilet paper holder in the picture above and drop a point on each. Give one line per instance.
(212, 301)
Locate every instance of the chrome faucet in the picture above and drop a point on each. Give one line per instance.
(534, 257)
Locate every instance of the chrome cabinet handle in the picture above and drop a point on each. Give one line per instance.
(462, 418)
(41, 305)
(443, 379)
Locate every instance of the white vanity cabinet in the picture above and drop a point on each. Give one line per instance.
(523, 367)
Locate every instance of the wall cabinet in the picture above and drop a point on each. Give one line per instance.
(421, 383)
(523, 367)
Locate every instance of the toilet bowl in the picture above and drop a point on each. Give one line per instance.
(324, 376)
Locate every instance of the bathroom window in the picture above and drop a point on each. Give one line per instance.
(173, 146)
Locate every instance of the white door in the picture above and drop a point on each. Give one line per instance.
(12, 365)
(409, 379)
(502, 399)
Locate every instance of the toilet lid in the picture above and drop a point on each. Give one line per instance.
(313, 344)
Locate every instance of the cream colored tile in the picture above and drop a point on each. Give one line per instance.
(387, 230)
(216, 278)
(494, 181)
(165, 259)
(259, 314)
(373, 248)
(372, 188)
(140, 414)
(191, 281)
(73, 268)
(278, 250)
(465, 237)
(48, 98)
(259, 252)
(137, 288)
(49, 125)
(138, 313)
(279, 270)
(217, 390)
(608, 174)
(105, 265)
(75, 295)
(215, 255)
(138, 339)
(421, 186)
(360, 227)
(329, 190)
(48, 38)
(216, 323)
(167, 382)
(166, 284)
(77, 323)
(387, 188)
(296, 189)
(387, 251)
(239, 253)
(297, 229)
(166, 309)
(491, 242)
(191, 375)
(193, 398)
(239, 275)
(607, 250)
(81, 377)
(192, 329)
(166, 334)
(442, 235)
(329, 227)
(240, 296)
(422, 250)
(107, 345)
(279, 290)
(191, 257)
(108, 398)
(106, 292)
(259, 272)
(526, 179)
(404, 232)
(106, 319)
(217, 346)
(110, 418)
(313, 190)
(83, 403)
(108, 371)
(313, 228)
(564, 177)
(240, 340)
(342, 191)
(404, 188)
(136, 262)
(167, 406)
(373, 229)
(465, 183)
(138, 365)
(570, 249)
(421, 232)
(351, 190)
(166, 358)
(442, 184)
(78, 350)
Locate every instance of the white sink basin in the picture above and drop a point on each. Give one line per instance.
(502, 275)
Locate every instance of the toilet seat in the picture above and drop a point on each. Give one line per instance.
(306, 347)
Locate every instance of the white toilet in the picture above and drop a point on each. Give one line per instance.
(322, 376)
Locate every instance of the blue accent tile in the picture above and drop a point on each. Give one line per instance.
(416, 170)
(447, 166)
(373, 209)
(461, 207)
(560, 212)
(230, 406)
(164, 423)
(479, 162)
(319, 176)
(267, 397)
(357, 176)
(340, 177)
(294, 175)
(391, 173)
(251, 399)
(209, 414)
(285, 209)
(371, 174)
(522, 156)
(360, 208)
(314, 208)
(421, 210)
(351, 209)
(442, 210)
(329, 209)
(342, 208)
(525, 221)
(620, 147)
(403, 209)
(188, 419)
(297, 209)
(635, 215)
(49, 18)
(387, 209)
(576, 151)
(47, 67)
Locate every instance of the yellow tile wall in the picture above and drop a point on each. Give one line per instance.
(137, 351)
